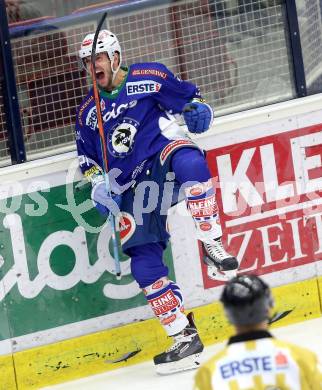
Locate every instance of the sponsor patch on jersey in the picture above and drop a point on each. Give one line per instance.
(251, 365)
(115, 110)
(94, 170)
(138, 169)
(281, 360)
(127, 226)
(83, 107)
(164, 303)
(147, 72)
(121, 137)
(173, 146)
(91, 118)
(78, 136)
(144, 86)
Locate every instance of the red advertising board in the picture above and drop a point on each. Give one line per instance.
(270, 200)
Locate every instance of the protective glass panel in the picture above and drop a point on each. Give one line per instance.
(4, 142)
(255, 53)
(50, 85)
(309, 16)
(50, 82)
(4, 147)
(237, 52)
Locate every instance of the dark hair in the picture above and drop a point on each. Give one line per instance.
(247, 300)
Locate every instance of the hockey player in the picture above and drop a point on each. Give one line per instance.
(253, 358)
(144, 144)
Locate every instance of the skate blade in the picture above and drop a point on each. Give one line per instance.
(215, 274)
(189, 363)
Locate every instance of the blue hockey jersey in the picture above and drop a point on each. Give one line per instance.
(138, 120)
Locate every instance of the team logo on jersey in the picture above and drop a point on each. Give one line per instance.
(121, 137)
(144, 86)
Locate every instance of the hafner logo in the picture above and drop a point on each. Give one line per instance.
(146, 86)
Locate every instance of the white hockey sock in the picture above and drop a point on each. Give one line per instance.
(201, 201)
(166, 301)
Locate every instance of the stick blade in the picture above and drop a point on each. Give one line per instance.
(125, 357)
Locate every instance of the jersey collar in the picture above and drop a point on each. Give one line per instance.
(115, 93)
(254, 335)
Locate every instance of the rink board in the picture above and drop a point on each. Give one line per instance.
(88, 355)
(8, 379)
(56, 260)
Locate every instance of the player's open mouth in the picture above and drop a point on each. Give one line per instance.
(100, 75)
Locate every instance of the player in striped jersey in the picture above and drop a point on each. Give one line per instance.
(253, 358)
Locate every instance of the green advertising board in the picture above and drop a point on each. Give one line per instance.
(56, 262)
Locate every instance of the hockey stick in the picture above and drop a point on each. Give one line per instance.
(125, 357)
(279, 315)
(103, 144)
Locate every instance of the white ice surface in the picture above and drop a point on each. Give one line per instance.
(143, 377)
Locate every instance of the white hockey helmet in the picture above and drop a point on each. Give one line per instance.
(107, 42)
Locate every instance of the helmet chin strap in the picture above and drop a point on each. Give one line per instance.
(114, 71)
(118, 67)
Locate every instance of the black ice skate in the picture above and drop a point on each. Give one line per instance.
(221, 265)
(184, 354)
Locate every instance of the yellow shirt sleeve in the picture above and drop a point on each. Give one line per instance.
(310, 368)
(204, 375)
(312, 371)
(203, 379)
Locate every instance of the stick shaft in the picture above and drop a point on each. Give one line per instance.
(103, 142)
(97, 96)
